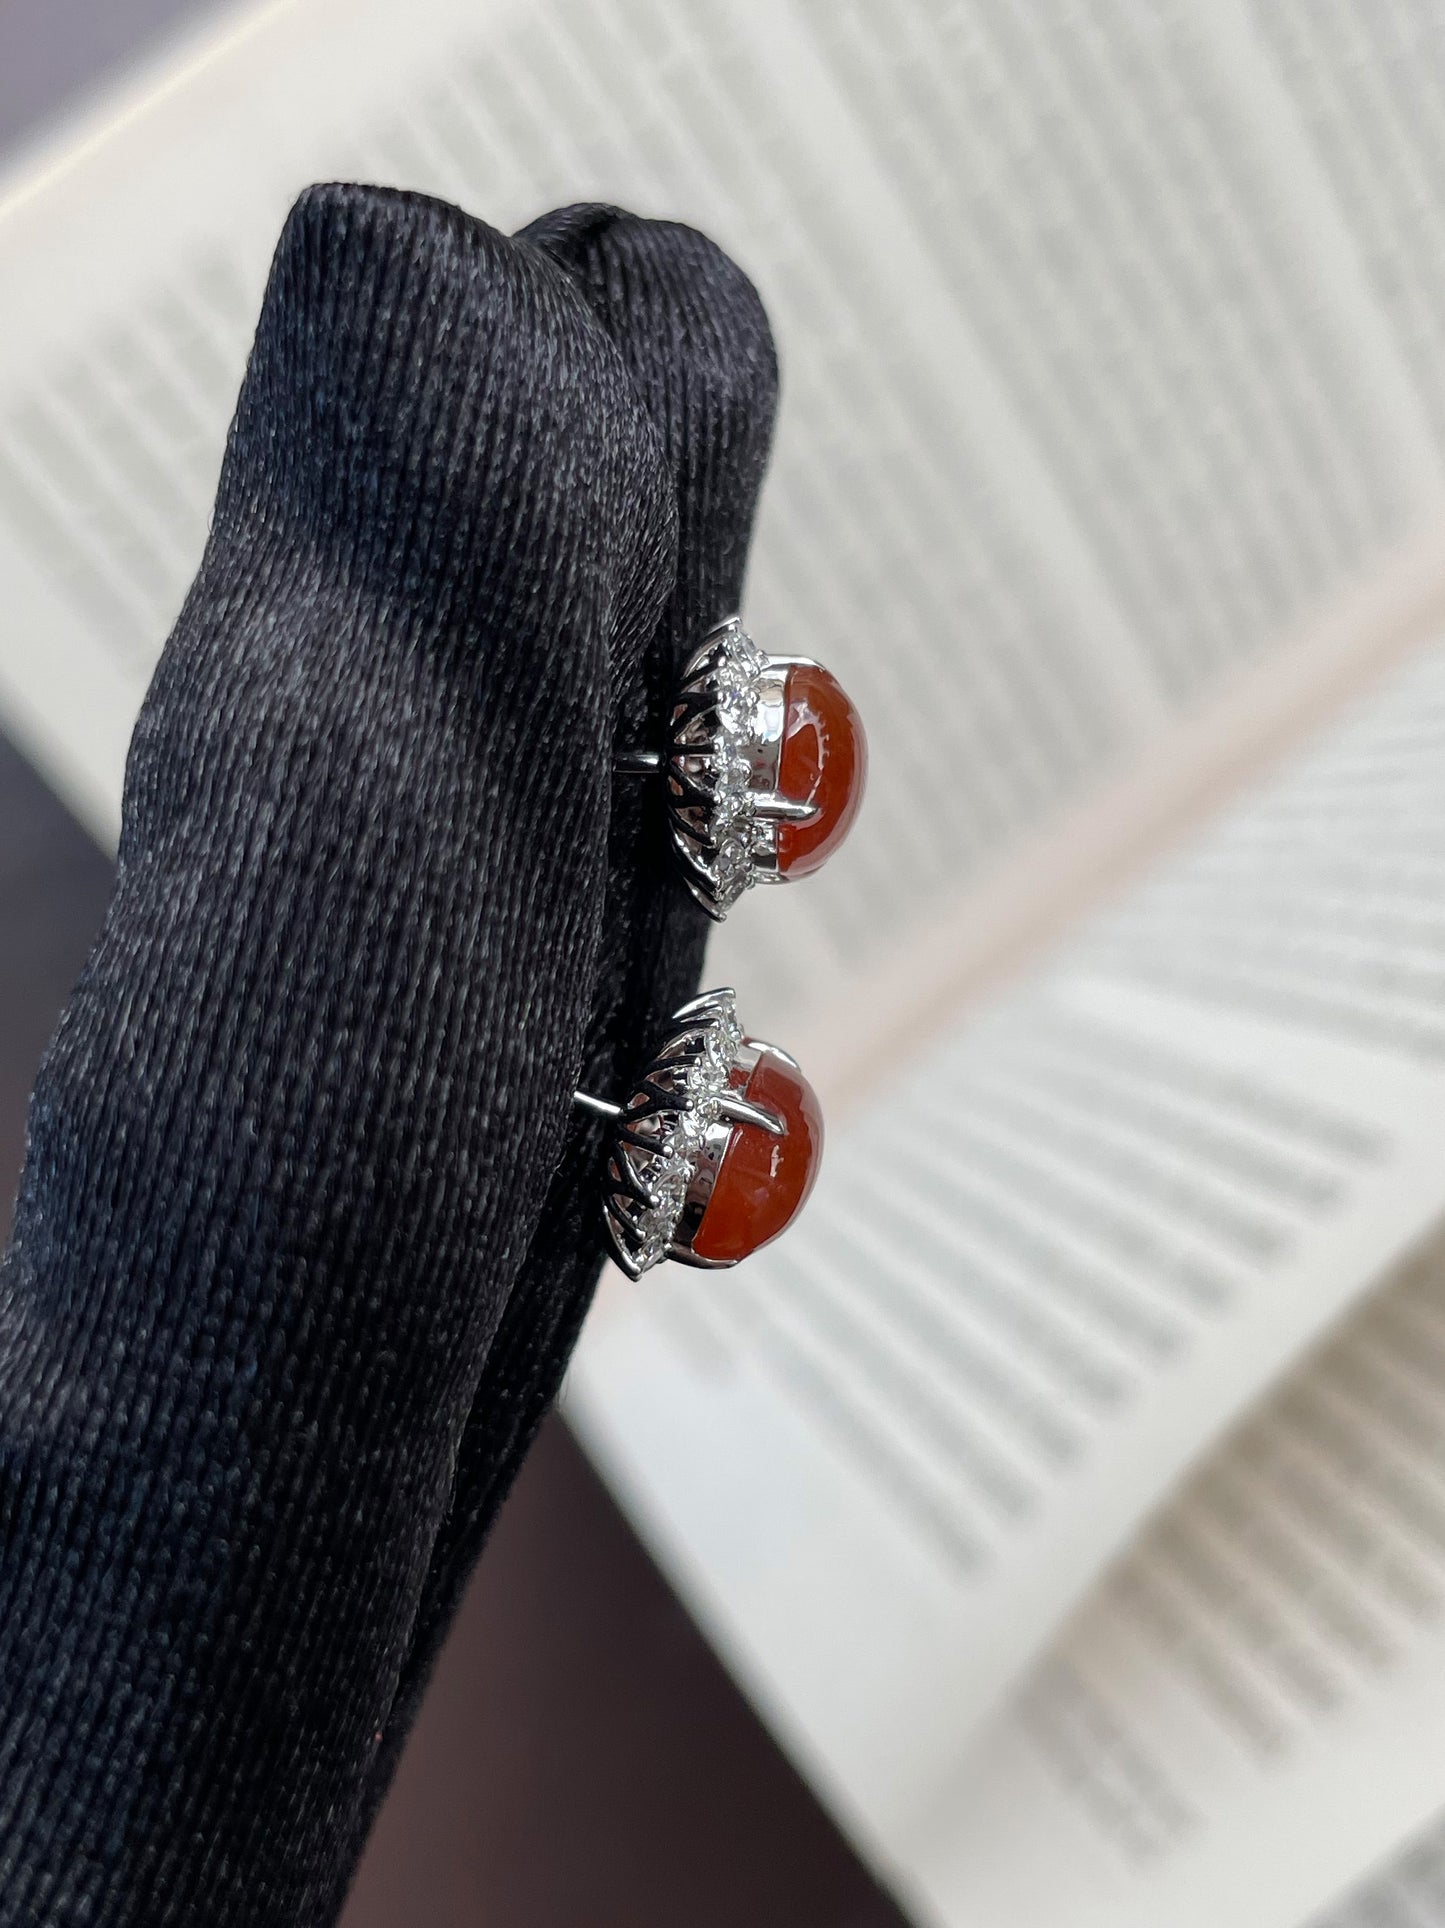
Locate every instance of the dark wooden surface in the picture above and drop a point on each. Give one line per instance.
(581, 1761)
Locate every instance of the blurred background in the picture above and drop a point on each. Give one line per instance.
(1112, 451)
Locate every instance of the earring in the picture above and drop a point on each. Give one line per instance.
(715, 1149)
(765, 767)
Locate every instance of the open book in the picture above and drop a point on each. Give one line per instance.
(1068, 1489)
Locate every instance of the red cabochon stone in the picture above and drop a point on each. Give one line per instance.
(824, 760)
(763, 1180)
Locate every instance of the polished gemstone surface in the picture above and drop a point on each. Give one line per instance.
(763, 1180)
(824, 761)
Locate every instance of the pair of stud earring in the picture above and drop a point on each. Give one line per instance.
(717, 1145)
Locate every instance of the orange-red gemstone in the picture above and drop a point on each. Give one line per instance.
(763, 1180)
(824, 761)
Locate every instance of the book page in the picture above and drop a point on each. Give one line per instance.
(1251, 1710)
(1093, 403)
(1044, 1271)
(1408, 1891)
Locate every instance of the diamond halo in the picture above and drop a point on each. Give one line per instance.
(670, 1135)
(725, 744)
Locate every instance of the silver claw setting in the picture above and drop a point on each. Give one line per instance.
(669, 1136)
(725, 743)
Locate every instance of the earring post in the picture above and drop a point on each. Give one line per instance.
(586, 1102)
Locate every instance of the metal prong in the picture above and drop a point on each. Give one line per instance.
(637, 763)
(704, 1002)
(625, 1261)
(586, 1102)
(742, 1113)
(701, 893)
(684, 1255)
(784, 809)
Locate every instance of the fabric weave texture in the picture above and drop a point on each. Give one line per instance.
(308, 1225)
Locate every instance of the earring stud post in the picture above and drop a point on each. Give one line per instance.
(600, 1106)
